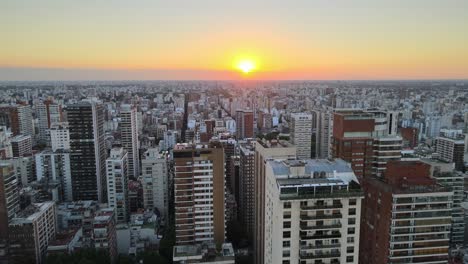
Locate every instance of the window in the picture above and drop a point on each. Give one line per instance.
(287, 205)
(287, 224)
(350, 240)
(352, 211)
(287, 215)
(352, 201)
(286, 243)
(351, 231)
(347, 144)
(349, 259)
(287, 234)
(349, 249)
(351, 221)
(285, 261)
(286, 253)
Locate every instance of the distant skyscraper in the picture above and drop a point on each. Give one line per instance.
(323, 132)
(88, 154)
(265, 150)
(366, 139)
(48, 113)
(129, 137)
(117, 184)
(451, 150)
(25, 120)
(199, 185)
(301, 134)
(432, 126)
(155, 180)
(244, 124)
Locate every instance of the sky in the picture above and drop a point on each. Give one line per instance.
(206, 39)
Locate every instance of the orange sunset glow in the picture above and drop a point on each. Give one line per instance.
(213, 40)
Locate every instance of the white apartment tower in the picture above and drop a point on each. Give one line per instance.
(117, 183)
(25, 120)
(313, 212)
(301, 134)
(60, 136)
(129, 138)
(155, 181)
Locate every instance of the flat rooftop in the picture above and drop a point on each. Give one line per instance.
(283, 167)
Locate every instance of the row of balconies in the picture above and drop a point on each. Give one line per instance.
(321, 216)
(324, 206)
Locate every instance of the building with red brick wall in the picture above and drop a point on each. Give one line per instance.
(406, 216)
(366, 139)
(410, 136)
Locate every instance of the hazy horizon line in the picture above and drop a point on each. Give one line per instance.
(57, 74)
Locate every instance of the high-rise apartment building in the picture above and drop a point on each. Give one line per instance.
(199, 185)
(25, 120)
(54, 167)
(451, 150)
(129, 138)
(47, 113)
(25, 169)
(59, 136)
(444, 173)
(301, 134)
(31, 231)
(21, 146)
(244, 123)
(87, 146)
(312, 212)
(155, 181)
(415, 211)
(246, 203)
(265, 150)
(9, 198)
(18, 118)
(117, 184)
(323, 120)
(366, 139)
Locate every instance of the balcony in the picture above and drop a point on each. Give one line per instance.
(319, 255)
(304, 226)
(320, 236)
(320, 207)
(322, 217)
(336, 245)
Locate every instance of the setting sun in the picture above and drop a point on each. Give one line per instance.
(246, 66)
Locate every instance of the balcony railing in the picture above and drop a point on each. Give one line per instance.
(320, 217)
(332, 226)
(336, 245)
(321, 255)
(318, 207)
(322, 236)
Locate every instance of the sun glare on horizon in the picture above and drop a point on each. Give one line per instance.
(246, 66)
